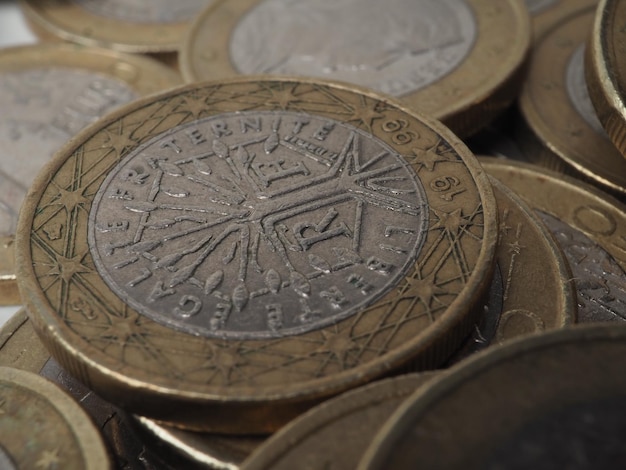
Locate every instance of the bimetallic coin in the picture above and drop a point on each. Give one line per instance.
(149, 26)
(248, 248)
(20, 348)
(458, 60)
(549, 401)
(42, 427)
(48, 93)
(588, 224)
(561, 130)
(606, 69)
(335, 434)
(532, 290)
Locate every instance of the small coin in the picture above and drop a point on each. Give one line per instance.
(458, 60)
(549, 401)
(335, 434)
(48, 93)
(532, 289)
(561, 129)
(147, 26)
(42, 427)
(20, 348)
(241, 250)
(588, 224)
(606, 69)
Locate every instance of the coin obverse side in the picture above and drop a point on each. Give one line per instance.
(606, 69)
(563, 131)
(20, 348)
(335, 434)
(48, 93)
(532, 289)
(146, 26)
(458, 60)
(254, 247)
(42, 427)
(549, 401)
(588, 224)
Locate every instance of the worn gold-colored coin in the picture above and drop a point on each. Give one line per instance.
(127, 26)
(546, 13)
(42, 427)
(336, 433)
(606, 69)
(20, 348)
(458, 60)
(47, 94)
(588, 224)
(548, 401)
(231, 253)
(532, 289)
(561, 129)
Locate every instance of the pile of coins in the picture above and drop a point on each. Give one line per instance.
(296, 260)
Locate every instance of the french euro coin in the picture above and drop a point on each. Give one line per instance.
(225, 255)
(458, 60)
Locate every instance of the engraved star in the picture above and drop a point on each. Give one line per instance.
(195, 106)
(365, 114)
(426, 289)
(282, 98)
(515, 248)
(71, 199)
(122, 329)
(67, 268)
(225, 359)
(337, 345)
(119, 142)
(452, 222)
(48, 458)
(428, 158)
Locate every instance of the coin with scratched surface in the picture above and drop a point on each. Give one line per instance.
(561, 129)
(147, 26)
(244, 249)
(588, 224)
(47, 94)
(548, 402)
(606, 69)
(458, 60)
(20, 348)
(42, 427)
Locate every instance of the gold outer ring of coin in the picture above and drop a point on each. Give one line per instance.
(142, 74)
(554, 133)
(208, 401)
(336, 433)
(605, 69)
(70, 440)
(66, 20)
(546, 18)
(465, 100)
(504, 390)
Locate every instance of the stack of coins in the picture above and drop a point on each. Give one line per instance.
(295, 259)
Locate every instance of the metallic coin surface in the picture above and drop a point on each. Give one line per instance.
(546, 13)
(537, 6)
(565, 132)
(335, 434)
(606, 69)
(588, 224)
(20, 348)
(253, 247)
(42, 427)
(532, 290)
(458, 60)
(549, 401)
(148, 26)
(48, 93)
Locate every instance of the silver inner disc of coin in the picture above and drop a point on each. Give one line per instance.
(396, 46)
(537, 6)
(257, 224)
(144, 11)
(41, 109)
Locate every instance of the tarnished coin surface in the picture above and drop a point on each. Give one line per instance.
(458, 60)
(335, 434)
(254, 246)
(42, 427)
(128, 26)
(606, 69)
(588, 224)
(549, 401)
(564, 131)
(48, 93)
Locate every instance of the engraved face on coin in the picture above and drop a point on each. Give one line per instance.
(246, 225)
(144, 11)
(399, 53)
